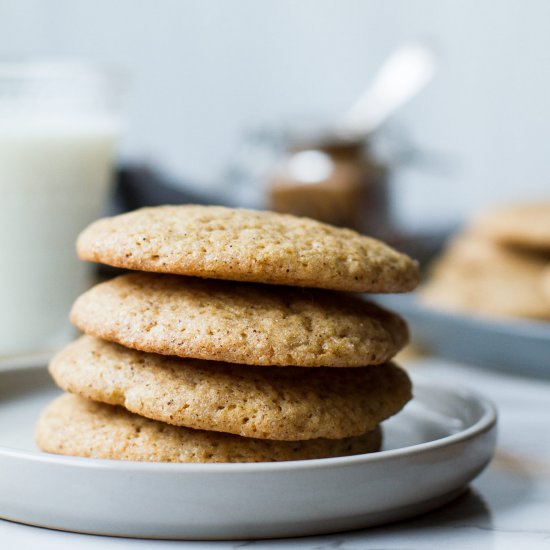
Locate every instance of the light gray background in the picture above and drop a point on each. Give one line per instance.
(204, 70)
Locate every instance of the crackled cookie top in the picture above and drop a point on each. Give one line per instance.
(267, 403)
(74, 426)
(239, 322)
(245, 245)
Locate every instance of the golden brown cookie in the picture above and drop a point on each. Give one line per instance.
(246, 245)
(75, 426)
(239, 322)
(269, 403)
(524, 225)
(476, 274)
(501, 298)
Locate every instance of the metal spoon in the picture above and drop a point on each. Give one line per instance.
(401, 77)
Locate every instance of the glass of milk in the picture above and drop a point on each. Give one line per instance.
(58, 126)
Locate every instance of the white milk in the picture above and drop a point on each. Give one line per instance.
(54, 180)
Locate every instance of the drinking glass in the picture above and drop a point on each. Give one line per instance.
(59, 123)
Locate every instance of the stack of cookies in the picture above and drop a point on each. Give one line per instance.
(498, 266)
(235, 339)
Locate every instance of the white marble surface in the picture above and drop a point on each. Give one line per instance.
(508, 506)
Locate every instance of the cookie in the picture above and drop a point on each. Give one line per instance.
(526, 225)
(496, 298)
(246, 245)
(75, 426)
(239, 322)
(477, 253)
(268, 403)
(476, 274)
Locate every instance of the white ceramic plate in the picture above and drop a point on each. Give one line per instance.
(441, 441)
(515, 345)
(26, 360)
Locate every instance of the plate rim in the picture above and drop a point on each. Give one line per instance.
(485, 423)
(515, 326)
